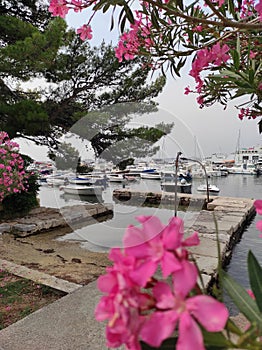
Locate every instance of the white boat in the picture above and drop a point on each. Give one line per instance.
(211, 188)
(154, 175)
(80, 180)
(182, 186)
(83, 190)
(116, 177)
(243, 169)
(55, 181)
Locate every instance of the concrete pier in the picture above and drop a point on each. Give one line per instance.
(229, 215)
(45, 219)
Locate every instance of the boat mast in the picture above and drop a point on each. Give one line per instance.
(237, 148)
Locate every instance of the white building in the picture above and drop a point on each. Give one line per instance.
(249, 155)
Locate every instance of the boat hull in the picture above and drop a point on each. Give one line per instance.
(83, 190)
(181, 188)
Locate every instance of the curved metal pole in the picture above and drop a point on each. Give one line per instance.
(176, 168)
(203, 167)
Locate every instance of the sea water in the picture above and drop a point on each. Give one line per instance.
(103, 235)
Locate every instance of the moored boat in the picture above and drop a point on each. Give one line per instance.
(182, 186)
(154, 175)
(83, 190)
(80, 180)
(211, 188)
(116, 177)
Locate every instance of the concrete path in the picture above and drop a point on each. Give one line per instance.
(69, 323)
(66, 324)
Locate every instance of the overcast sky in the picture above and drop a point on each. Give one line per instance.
(215, 129)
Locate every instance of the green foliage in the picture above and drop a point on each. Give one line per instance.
(82, 168)
(123, 164)
(179, 30)
(28, 116)
(84, 80)
(111, 137)
(255, 277)
(67, 157)
(18, 204)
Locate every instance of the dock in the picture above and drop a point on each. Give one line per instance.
(229, 215)
(44, 219)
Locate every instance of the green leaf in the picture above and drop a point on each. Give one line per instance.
(255, 277)
(242, 299)
(216, 340)
(155, 19)
(129, 13)
(251, 76)
(179, 3)
(260, 126)
(236, 59)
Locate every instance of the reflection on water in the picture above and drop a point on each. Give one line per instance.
(103, 235)
(109, 233)
(68, 197)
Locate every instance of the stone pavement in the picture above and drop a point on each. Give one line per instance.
(69, 323)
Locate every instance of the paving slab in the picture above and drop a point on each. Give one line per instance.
(39, 277)
(66, 324)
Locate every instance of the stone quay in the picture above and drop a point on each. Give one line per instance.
(222, 217)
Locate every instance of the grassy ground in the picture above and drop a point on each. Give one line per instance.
(19, 297)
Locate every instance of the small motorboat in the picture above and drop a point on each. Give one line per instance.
(116, 177)
(154, 175)
(211, 188)
(83, 190)
(80, 180)
(182, 186)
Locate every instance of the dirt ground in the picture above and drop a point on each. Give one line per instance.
(66, 260)
(20, 297)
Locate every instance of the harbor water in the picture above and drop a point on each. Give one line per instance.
(103, 235)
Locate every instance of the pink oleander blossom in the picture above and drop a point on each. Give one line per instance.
(140, 307)
(252, 54)
(187, 90)
(174, 308)
(131, 41)
(156, 244)
(258, 206)
(58, 8)
(85, 32)
(258, 8)
(12, 174)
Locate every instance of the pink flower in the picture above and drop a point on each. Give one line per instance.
(259, 226)
(58, 8)
(251, 293)
(174, 308)
(187, 90)
(197, 28)
(156, 244)
(258, 8)
(123, 302)
(252, 54)
(85, 32)
(258, 206)
(220, 54)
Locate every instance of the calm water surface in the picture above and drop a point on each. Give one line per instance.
(101, 236)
